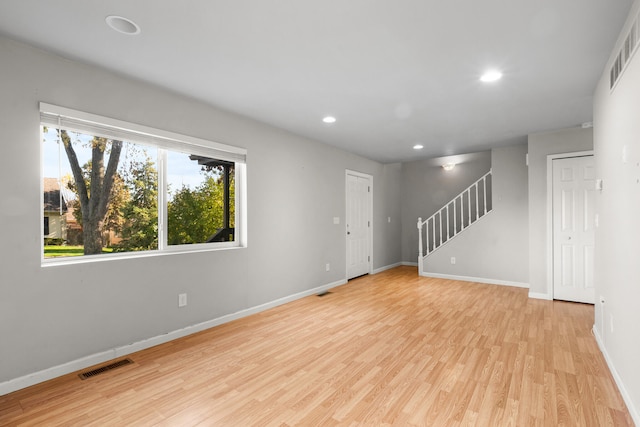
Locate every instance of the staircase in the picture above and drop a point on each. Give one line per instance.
(454, 217)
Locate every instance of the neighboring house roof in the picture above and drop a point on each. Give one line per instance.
(52, 196)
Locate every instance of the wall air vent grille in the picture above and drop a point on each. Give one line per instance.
(625, 54)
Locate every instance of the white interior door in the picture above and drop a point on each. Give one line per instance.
(573, 228)
(358, 225)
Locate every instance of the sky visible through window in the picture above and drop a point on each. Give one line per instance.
(182, 171)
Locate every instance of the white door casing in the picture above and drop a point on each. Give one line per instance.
(358, 223)
(573, 221)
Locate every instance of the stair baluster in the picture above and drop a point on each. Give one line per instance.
(433, 241)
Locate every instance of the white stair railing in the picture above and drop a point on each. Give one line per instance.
(457, 215)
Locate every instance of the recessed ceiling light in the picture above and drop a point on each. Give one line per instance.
(329, 119)
(448, 166)
(122, 25)
(491, 76)
(418, 147)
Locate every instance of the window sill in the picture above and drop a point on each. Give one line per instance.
(178, 250)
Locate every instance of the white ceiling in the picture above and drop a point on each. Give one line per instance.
(393, 73)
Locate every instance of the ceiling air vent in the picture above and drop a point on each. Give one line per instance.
(626, 52)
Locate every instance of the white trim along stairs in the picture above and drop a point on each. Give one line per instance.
(454, 217)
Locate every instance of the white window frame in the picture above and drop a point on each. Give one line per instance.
(164, 141)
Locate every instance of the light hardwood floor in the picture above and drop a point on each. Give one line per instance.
(387, 349)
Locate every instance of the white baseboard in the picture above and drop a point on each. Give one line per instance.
(94, 359)
(623, 391)
(410, 264)
(386, 267)
(539, 295)
(475, 279)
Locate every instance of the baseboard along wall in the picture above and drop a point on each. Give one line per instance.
(117, 352)
(476, 279)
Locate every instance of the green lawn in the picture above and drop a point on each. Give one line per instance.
(52, 251)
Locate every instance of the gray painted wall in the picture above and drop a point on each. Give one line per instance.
(617, 257)
(387, 216)
(53, 315)
(496, 247)
(540, 146)
(426, 187)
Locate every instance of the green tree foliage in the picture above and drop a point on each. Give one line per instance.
(139, 214)
(120, 196)
(123, 199)
(113, 220)
(196, 215)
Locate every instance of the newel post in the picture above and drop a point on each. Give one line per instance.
(419, 246)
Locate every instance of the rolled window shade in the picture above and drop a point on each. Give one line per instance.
(94, 125)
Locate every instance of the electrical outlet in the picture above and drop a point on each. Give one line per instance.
(388, 219)
(327, 267)
(611, 322)
(182, 300)
(453, 260)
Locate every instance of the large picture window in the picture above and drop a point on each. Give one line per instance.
(111, 187)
